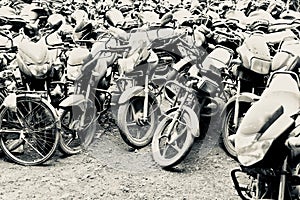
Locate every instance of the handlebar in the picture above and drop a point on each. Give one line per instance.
(184, 86)
(230, 36)
(62, 46)
(10, 49)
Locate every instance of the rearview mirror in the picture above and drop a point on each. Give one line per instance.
(55, 26)
(168, 17)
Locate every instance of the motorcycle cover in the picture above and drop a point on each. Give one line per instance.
(267, 120)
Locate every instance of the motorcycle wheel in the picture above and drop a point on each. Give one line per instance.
(87, 134)
(69, 142)
(2, 97)
(170, 154)
(135, 133)
(228, 128)
(30, 135)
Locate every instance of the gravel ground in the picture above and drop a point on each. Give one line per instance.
(110, 169)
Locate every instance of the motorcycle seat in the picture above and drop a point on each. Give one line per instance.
(283, 90)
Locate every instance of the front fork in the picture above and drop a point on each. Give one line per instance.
(82, 118)
(237, 104)
(146, 99)
(283, 180)
(175, 118)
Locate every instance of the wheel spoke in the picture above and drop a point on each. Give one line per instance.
(134, 114)
(47, 128)
(165, 151)
(138, 134)
(69, 141)
(33, 147)
(131, 124)
(176, 135)
(182, 131)
(175, 146)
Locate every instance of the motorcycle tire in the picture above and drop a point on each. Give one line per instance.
(184, 141)
(137, 135)
(228, 129)
(88, 134)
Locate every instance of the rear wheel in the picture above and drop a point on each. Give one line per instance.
(29, 135)
(170, 149)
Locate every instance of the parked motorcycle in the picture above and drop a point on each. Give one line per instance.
(146, 68)
(29, 123)
(193, 99)
(91, 97)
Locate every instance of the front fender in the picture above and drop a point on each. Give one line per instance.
(131, 92)
(246, 97)
(195, 129)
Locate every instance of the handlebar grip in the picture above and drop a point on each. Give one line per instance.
(119, 48)
(12, 49)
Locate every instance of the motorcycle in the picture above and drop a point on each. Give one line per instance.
(91, 97)
(194, 97)
(138, 105)
(37, 64)
(261, 135)
(29, 123)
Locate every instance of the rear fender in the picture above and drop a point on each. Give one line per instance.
(195, 129)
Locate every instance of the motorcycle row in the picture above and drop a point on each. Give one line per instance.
(164, 69)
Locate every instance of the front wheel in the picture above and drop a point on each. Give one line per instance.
(135, 131)
(228, 127)
(69, 142)
(170, 149)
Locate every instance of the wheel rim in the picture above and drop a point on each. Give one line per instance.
(168, 150)
(137, 129)
(35, 137)
(230, 130)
